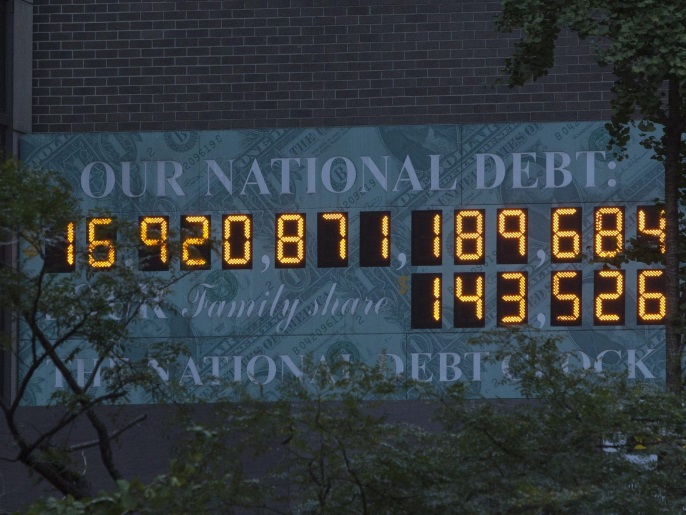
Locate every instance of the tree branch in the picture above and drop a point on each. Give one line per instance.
(111, 436)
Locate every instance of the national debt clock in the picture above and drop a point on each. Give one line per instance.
(394, 246)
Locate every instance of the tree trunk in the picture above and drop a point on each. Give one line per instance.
(59, 475)
(672, 163)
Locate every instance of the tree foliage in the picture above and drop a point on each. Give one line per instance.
(643, 43)
(58, 315)
(593, 443)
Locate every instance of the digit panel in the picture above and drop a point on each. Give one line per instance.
(290, 240)
(426, 238)
(609, 294)
(196, 248)
(608, 237)
(512, 302)
(101, 235)
(470, 227)
(565, 298)
(512, 236)
(153, 252)
(426, 301)
(652, 225)
(332, 240)
(651, 302)
(375, 238)
(565, 238)
(60, 250)
(237, 236)
(470, 309)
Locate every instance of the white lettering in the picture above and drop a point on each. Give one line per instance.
(481, 171)
(86, 180)
(350, 172)
(285, 172)
(256, 172)
(191, 372)
(444, 366)
(476, 364)
(420, 367)
(435, 175)
(599, 359)
(382, 179)
(590, 164)
(215, 367)
(227, 182)
(271, 369)
(633, 364)
(550, 169)
(518, 170)
(163, 180)
(126, 179)
(412, 178)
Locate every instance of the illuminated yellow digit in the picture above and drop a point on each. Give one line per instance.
(436, 311)
(566, 297)
(100, 247)
(609, 225)
(477, 298)
(519, 298)
(645, 296)
(475, 237)
(342, 232)
(161, 226)
(437, 235)
(71, 245)
(385, 236)
(246, 251)
(518, 234)
(189, 243)
(659, 232)
(570, 237)
(296, 241)
(613, 295)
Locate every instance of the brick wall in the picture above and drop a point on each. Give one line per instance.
(112, 65)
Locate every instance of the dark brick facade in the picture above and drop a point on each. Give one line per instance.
(164, 65)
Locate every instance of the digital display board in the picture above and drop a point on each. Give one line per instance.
(376, 244)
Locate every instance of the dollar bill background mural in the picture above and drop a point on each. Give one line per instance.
(354, 313)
